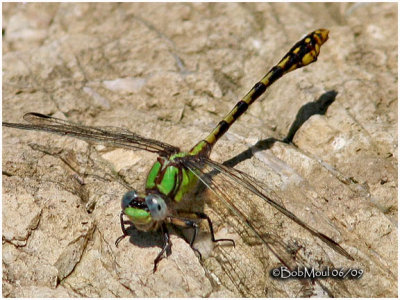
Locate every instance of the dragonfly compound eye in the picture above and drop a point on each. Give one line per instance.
(128, 199)
(157, 207)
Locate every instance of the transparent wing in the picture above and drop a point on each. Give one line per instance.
(234, 188)
(111, 136)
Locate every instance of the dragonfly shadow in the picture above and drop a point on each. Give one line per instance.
(144, 239)
(149, 239)
(318, 107)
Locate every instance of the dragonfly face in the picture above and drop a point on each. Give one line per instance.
(144, 212)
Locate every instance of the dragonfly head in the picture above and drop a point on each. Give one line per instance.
(144, 211)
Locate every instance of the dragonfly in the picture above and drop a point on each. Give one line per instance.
(175, 173)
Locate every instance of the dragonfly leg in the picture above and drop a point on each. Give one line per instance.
(124, 231)
(187, 223)
(166, 247)
(203, 216)
(195, 227)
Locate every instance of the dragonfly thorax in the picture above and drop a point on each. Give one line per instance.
(167, 182)
(170, 178)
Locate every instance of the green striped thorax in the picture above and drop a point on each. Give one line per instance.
(167, 182)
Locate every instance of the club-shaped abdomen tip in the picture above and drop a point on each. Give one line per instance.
(323, 34)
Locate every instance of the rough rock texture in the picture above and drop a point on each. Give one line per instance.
(170, 72)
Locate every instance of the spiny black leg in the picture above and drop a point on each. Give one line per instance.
(195, 227)
(124, 231)
(205, 217)
(187, 223)
(166, 246)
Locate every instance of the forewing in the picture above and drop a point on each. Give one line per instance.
(111, 136)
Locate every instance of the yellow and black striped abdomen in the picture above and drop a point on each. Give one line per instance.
(302, 53)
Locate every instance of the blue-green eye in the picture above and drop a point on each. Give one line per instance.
(156, 206)
(129, 198)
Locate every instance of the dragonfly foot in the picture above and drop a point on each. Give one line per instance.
(198, 253)
(225, 240)
(166, 247)
(118, 240)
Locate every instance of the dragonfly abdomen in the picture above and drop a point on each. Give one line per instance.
(301, 54)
